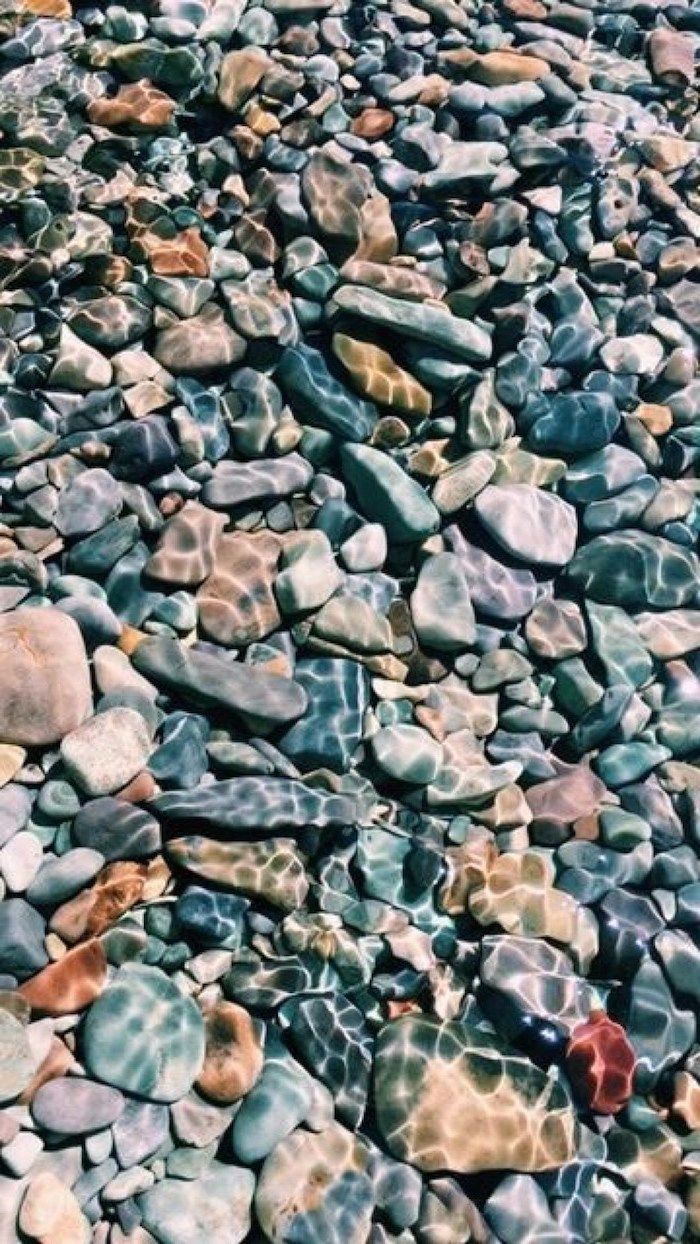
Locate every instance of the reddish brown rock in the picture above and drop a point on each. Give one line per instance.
(373, 123)
(234, 1057)
(672, 56)
(139, 105)
(116, 889)
(69, 985)
(600, 1063)
(185, 254)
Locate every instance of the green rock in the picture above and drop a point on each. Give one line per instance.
(616, 641)
(144, 1036)
(386, 494)
(637, 571)
(628, 762)
(213, 1208)
(408, 754)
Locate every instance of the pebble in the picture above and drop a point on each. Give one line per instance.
(349, 616)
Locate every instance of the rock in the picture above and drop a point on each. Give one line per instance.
(319, 399)
(107, 751)
(640, 354)
(388, 495)
(433, 325)
(334, 192)
(50, 1213)
(316, 1183)
(273, 870)
(267, 700)
(378, 377)
(532, 525)
(71, 1106)
(233, 1059)
(237, 604)
(70, 984)
(441, 604)
(600, 1063)
(239, 75)
(159, 1061)
(187, 547)
(636, 571)
(216, 1206)
(233, 484)
(330, 731)
(16, 1059)
(456, 1069)
(138, 105)
(45, 682)
(407, 754)
(261, 803)
(199, 345)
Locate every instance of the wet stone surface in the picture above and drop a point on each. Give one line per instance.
(349, 622)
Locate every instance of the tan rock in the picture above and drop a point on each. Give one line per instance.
(11, 760)
(376, 375)
(506, 67)
(237, 604)
(373, 123)
(234, 1057)
(51, 1214)
(45, 687)
(239, 75)
(185, 552)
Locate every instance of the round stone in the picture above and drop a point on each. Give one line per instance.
(45, 687)
(107, 751)
(142, 1035)
(73, 1106)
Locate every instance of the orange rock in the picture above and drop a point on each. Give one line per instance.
(58, 1062)
(130, 639)
(656, 419)
(373, 123)
(234, 1057)
(69, 985)
(526, 10)
(139, 105)
(116, 889)
(183, 255)
(60, 9)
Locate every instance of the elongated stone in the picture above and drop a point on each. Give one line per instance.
(268, 700)
(259, 803)
(319, 399)
(388, 495)
(637, 571)
(273, 870)
(428, 323)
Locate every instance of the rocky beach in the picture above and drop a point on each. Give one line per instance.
(349, 622)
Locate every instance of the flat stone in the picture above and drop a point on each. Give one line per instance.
(107, 751)
(159, 1061)
(237, 604)
(214, 1207)
(273, 870)
(637, 571)
(187, 546)
(388, 495)
(236, 483)
(441, 604)
(496, 590)
(520, 1119)
(260, 803)
(45, 687)
(319, 399)
(428, 323)
(330, 731)
(261, 699)
(377, 376)
(16, 1058)
(73, 1106)
(534, 526)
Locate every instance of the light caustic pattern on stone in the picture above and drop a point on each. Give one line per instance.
(349, 622)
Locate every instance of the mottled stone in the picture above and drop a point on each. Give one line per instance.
(159, 1061)
(138, 105)
(600, 1063)
(319, 399)
(431, 1075)
(441, 604)
(237, 604)
(214, 1207)
(45, 682)
(73, 1106)
(233, 1059)
(202, 344)
(375, 373)
(637, 571)
(273, 870)
(497, 590)
(429, 323)
(186, 549)
(16, 1060)
(331, 729)
(386, 493)
(334, 192)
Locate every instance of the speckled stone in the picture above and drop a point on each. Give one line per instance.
(45, 683)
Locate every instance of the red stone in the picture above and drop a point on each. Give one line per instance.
(600, 1063)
